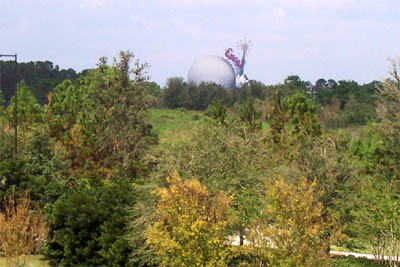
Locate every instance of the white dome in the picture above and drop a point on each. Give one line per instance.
(212, 69)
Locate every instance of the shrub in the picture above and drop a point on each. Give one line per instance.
(294, 231)
(88, 225)
(22, 230)
(191, 226)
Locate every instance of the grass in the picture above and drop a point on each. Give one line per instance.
(37, 261)
(34, 261)
(174, 124)
(353, 249)
(353, 262)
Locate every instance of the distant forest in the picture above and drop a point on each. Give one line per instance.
(41, 77)
(345, 102)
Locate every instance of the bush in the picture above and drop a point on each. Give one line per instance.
(88, 225)
(31, 169)
(294, 231)
(191, 226)
(22, 230)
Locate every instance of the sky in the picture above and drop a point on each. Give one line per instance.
(338, 39)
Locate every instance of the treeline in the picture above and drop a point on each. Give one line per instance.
(41, 77)
(342, 103)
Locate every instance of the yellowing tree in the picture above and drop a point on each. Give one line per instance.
(191, 226)
(294, 230)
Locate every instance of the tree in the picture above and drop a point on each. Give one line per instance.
(250, 115)
(191, 225)
(375, 187)
(175, 93)
(222, 158)
(295, 117)
(22, 229)
(293, 84)
(88, 225)
(101, 118)
(41, 77)
(29, 110)
(302, 113)
(292, 231)
(99, 129)
(217, 111)
(278, 116)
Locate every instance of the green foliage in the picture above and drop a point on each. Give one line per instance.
(88, 225)
(179, 94)
(80, 155)
(217, 111)
(292, 85)
(375, 186)
(258, 90)
(278, 116)
(357, 113)
(221, 158)
(175, 92)
(295, 117)
(303, 120)
(100, 120)
(250, 115)
(191, 225)
(153, 88)
(29, 111)
(2, 107)
(41, 77)
(353, 262)
(168, 122)
(99, 129)
(31, 170)
(377, 216)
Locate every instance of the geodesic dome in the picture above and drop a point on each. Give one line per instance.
(212, 69)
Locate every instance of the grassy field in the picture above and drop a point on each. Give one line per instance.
(174, 124)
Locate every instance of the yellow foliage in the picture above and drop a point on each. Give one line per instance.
(22, 232)
(294, 231)
(191, 225)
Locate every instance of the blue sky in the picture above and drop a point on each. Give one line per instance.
(339, 39)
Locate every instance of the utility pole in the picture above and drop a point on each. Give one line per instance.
(15, 103)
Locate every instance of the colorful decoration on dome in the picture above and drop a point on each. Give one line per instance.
(214, 69)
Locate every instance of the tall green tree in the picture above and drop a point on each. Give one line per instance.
(294, 117)
(29, 110)
(99, 128)
(100, 119)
